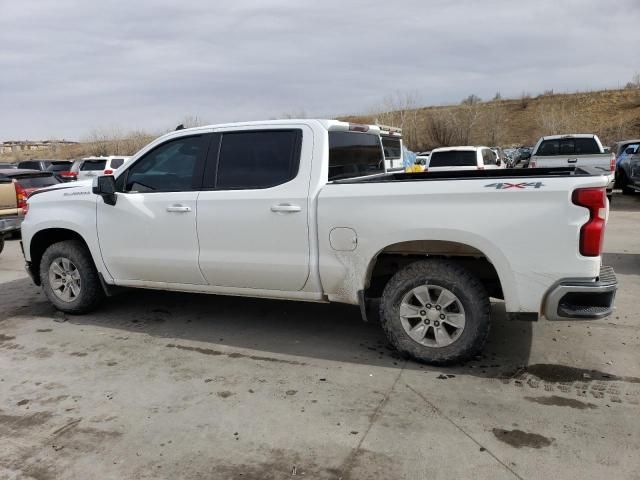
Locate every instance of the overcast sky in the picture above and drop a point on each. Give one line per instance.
(68, 67)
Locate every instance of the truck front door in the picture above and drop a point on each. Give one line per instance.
(150, 233)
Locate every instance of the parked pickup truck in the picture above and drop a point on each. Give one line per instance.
(12, 200)
(580, 150)
(303, 210)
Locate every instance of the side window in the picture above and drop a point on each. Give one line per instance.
(170, 167)
(488, 157)
(258, 159)
(117, 163)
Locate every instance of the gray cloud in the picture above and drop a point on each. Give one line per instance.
(69, 66)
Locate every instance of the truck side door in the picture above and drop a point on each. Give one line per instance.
(150, 233)
(253, 212)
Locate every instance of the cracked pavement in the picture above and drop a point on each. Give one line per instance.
(172, 385)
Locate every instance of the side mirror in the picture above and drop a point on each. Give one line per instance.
(105, 186)
(498, 162)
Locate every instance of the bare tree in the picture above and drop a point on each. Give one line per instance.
(191, 121)
(400, 110)
(525, 98)
(557, 119)
(440, 128)
(472, 99)
(493, 121)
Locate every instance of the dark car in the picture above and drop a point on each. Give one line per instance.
(29, 180)
(60, 168)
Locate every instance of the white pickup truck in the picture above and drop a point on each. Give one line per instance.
(579, 150)
(304, 210)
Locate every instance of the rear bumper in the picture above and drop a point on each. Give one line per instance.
(582, 299)
(10, 224)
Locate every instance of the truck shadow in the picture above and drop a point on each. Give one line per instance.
(625, 203)
(304, 330)
(623, 263)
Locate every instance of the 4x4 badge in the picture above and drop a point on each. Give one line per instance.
(507, 186)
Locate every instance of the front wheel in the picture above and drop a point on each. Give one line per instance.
(69, 277)
(436, 312)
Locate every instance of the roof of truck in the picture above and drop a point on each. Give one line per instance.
(569, 135)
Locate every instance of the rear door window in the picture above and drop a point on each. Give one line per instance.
(257, 159)
(354, 154)
(453, 158)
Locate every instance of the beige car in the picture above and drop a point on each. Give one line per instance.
(10, 213)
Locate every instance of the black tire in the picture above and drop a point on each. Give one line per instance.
(91, 292)
(471, 294)
(1, 243)
(623, 182)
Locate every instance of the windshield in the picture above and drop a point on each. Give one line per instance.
(90, 165)
(59, 167)
(568, 146)
(353, 154)
(453, 158)
(392, 148)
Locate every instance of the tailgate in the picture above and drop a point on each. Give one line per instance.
(600, 161)
(8, 204)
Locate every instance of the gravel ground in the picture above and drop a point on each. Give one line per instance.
(179, 386)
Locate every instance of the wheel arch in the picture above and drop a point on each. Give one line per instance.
(393, 257)
(42, 240)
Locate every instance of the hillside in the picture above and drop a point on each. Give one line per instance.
(611, 114)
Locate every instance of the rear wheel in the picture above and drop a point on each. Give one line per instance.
(436, 312)
(1, 243)
(624, 183)
(69, 277)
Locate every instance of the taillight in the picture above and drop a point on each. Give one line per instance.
(612, 162)
(108, 172)
(21, 198)
(592, 232)
(68, 174)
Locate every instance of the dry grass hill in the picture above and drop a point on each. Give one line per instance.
(612, 114)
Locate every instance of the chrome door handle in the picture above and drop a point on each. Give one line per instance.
(178, 208)
(572, 160)
(285, 208)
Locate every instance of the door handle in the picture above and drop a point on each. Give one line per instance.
(285, 208)
(572, 160)
(178, 208)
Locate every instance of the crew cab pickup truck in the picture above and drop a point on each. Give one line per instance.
(12, 200)
(304, 210)
(580, 150)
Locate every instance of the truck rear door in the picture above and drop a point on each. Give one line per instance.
(253, 212)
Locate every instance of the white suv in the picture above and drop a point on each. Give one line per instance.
(94, 166)
(463, 158)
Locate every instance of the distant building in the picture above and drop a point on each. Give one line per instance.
(16, 146)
